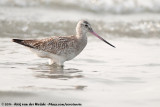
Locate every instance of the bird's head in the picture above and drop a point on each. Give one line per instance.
(83, 27)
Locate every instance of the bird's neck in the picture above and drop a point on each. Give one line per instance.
(80, 33)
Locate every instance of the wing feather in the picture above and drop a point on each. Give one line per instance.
(55, 45)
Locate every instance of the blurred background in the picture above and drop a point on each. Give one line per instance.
(126, 76)
(122, 18)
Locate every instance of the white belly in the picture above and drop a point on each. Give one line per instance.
(54, 58)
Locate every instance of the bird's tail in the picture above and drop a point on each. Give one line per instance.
(19, 41)
(23, 42)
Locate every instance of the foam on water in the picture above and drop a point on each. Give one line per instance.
(138, 29)
(100, 6)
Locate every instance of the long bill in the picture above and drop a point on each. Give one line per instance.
(102, 39)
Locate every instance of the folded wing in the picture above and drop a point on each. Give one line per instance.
(53, 45)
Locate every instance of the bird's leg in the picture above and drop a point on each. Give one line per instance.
(55, 63)
(51, 62)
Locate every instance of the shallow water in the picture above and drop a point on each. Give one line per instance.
(125, 76)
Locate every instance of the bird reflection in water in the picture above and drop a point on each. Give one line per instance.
(59, 74)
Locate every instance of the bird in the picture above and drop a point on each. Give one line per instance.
(61, 48)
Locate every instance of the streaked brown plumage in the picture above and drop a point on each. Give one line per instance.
(61, 48)
(54, 45)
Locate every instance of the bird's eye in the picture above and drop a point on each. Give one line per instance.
(86, 25)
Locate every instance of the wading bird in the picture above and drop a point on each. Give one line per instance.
(61, 48)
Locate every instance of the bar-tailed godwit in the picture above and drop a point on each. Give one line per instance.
(61, 48)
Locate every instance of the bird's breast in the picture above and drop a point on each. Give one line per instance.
(76, 49)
